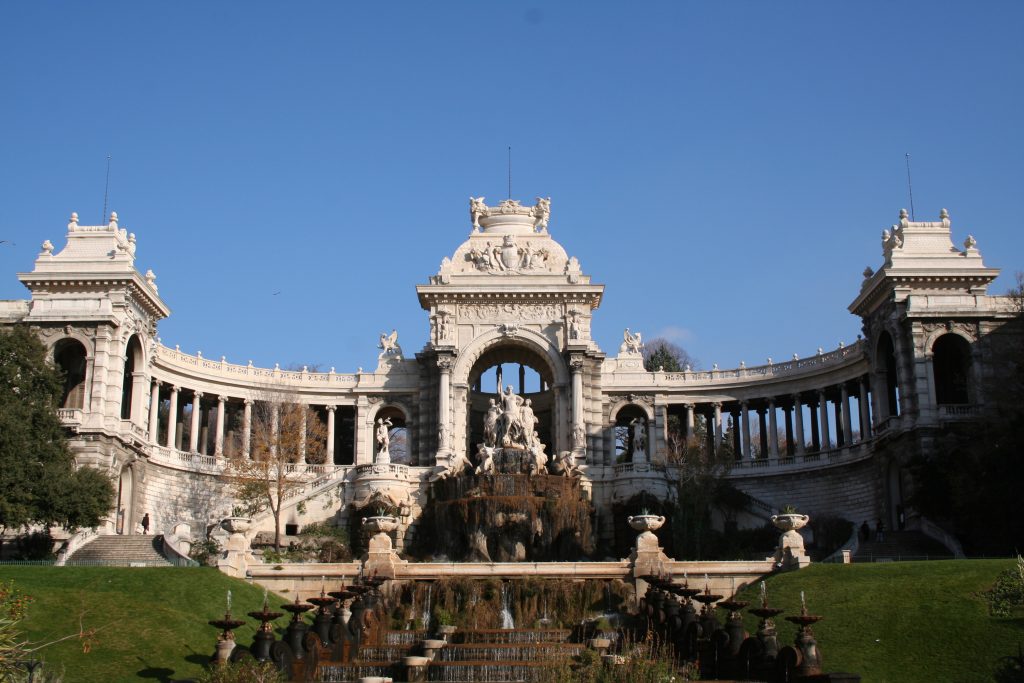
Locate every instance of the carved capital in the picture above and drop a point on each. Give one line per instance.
(576, 362)
(222, 399)
(196, 395)
(331, 409)
(248, 402)
(445, 363)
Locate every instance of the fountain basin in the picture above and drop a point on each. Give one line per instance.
(433, 644)
(236, 525)
(415, 661)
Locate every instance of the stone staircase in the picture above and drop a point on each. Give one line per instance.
(121, 551)
(901, 546)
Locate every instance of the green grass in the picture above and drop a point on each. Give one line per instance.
(905, 622)
(152, 621)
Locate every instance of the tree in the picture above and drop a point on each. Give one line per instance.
(285, 436)
(662, 354)
(39, 483)
(702, 470)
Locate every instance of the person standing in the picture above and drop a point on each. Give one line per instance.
(145, 524)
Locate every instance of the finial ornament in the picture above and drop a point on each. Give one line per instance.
(943, 215)
(113, 219)
(868, 272)
(903, 214)
(74, 220)
(47, 247)
(970, 243)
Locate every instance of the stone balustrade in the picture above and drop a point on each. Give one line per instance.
(192, 366)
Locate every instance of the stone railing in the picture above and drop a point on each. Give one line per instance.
(175, 359)
(959, 412)
(70, 416)
(184, 460)
(382, 469)
(80, 538)
(834, 358)
(746, 467)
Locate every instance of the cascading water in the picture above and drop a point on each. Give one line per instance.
(507, 622)
(426, 608)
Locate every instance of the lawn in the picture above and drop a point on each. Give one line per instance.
(905, 621)
(151, 621)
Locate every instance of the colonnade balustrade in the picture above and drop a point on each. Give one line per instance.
(189, 421)
(782, 428)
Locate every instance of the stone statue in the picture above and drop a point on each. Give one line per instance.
(638, 428)
(485, 456)
(631, 343)
(443, 436)
(491, 425)
(457, 463)
(574, 325)
(565, 464)
(529, 421)
(389, 344)
(540, 458)
(383, 441)
(441, 326)
(579, 437)
(511, 420)
(541, 213)
(477, 210)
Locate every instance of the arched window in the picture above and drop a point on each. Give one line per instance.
(398, 434)
(951, 362)
(132, 362)
(631, 433)
(69, 355)
(886, 360)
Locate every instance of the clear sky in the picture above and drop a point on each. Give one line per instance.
(293, 170)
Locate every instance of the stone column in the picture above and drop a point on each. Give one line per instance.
(444, 410)
(763, 429)
(790, 439)
(689, 420)
(302, 436)
(773, 431)
(576, 366)
(218, 439)
(154, 413)
(330, 435)
(172, 418)
(826, 441)
(522, 379)
(865, 410)
(717, 431)
(748, 452)
(847, 418)
(798, 417)
(193, 435)
(247, 429)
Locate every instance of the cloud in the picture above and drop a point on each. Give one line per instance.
(676, 335)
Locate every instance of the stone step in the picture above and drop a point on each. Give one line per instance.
(901, 545)
(121, 550)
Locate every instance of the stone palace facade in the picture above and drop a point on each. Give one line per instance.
(830, 434)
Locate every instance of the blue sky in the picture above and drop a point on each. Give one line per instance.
(725, 169)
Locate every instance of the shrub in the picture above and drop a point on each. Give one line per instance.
(1007, 593)
(247, 670)
(205, 552)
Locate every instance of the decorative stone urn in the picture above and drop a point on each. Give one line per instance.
(237, 553)
(791, 543)
(646, 524)
(381, 524)
(236, 525)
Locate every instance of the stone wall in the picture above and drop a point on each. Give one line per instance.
(172, 496)
(852, 491)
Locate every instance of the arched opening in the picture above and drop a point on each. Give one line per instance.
(398, 434)
(529, 376)
(124, 501)
(131, 387)
(631, 434)
(951, 362)
(69, 355)
(886, 360)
